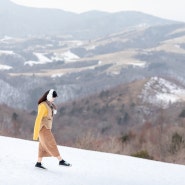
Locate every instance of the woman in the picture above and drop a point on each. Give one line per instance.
(42, 129)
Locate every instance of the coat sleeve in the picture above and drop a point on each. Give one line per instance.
(41, 113)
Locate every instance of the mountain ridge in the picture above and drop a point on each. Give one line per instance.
(39, 21)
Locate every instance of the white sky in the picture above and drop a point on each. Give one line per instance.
(170, 9)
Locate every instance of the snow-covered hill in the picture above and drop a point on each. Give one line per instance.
(162, 93)
(17, 159)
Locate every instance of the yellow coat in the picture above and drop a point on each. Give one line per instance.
(42, 112)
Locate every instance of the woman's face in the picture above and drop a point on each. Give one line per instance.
(51, 100)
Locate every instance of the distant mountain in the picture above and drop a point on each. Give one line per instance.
(82, 54)
(18, 21)
(77, 68)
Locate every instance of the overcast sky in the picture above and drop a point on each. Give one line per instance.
(170, 9)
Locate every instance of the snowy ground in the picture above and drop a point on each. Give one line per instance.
(18, 157)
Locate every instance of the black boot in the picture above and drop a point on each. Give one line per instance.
(39, 165)
(64, 163)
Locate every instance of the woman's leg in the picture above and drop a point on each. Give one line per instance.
(39, 164)
(39, 159)
(59, 158)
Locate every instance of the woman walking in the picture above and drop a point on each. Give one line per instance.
(42, 129)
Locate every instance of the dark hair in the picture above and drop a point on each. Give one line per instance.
(43, 98)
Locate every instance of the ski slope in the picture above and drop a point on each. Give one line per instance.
(18, 157)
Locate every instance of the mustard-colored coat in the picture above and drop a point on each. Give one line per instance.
(42, 112)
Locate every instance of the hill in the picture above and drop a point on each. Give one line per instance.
(89, 167)
(82, 54)
(80, 68)
(145, 115)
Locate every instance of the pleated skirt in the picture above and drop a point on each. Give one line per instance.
(47, 144)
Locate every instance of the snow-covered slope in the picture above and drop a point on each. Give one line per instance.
(162, 93)
(17, 159)
(67, 56)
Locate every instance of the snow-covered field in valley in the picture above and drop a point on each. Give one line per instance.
(18, 157)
